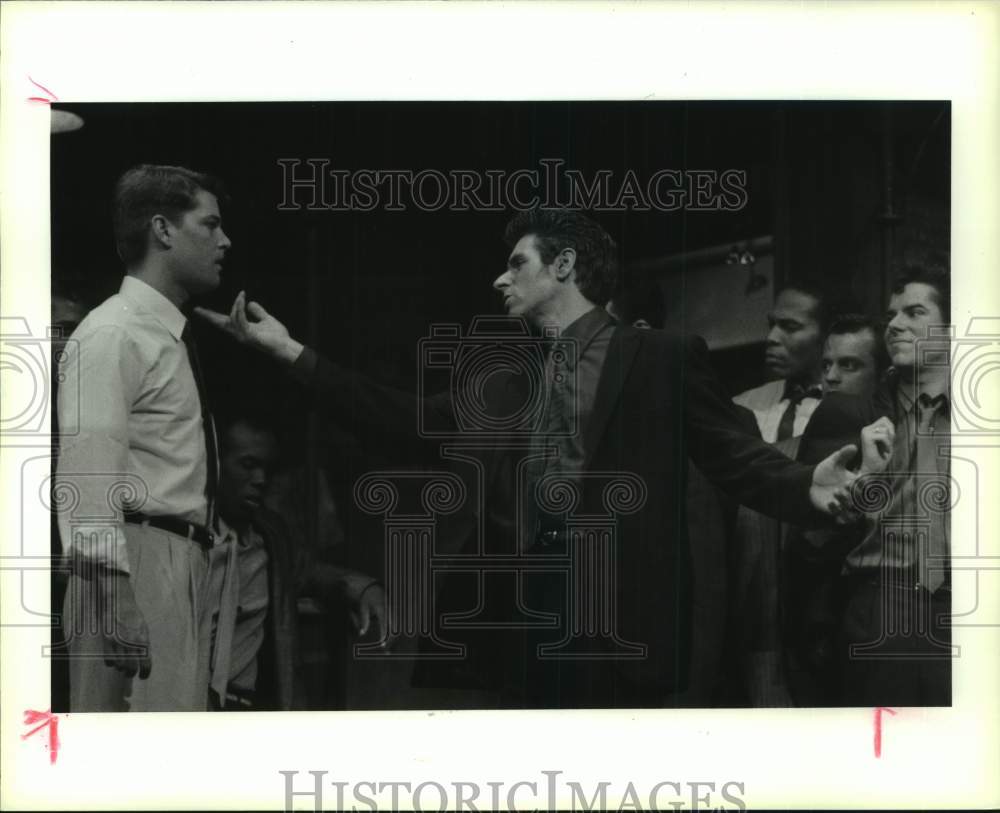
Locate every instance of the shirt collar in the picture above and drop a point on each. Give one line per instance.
(584, 329)
(224, 530)
(145, 297)
(906, 402)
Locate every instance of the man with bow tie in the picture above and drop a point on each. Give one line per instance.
(793, 358)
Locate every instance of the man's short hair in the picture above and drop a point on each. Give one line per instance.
(828, 301)
(259, 420)
(845, 323)
(556, 229)
(936, 277)
(148, 190)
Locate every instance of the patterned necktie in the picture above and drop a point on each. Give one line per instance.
(211, 447)
(794, 393)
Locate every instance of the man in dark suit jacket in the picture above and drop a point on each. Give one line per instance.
(621, 418)
(894, 646)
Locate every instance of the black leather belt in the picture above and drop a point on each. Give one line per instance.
(197, 533)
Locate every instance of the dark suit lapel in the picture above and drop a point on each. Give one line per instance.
(621, 353)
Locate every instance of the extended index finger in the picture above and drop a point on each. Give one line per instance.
(219, 320)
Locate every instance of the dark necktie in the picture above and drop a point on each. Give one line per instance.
(211, 448)
(927, 410)
(925, 463)
(794, 393)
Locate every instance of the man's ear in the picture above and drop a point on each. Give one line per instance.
(565, 263)
(162, 230)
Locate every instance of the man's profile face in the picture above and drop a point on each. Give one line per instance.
(911, 313)
(849, 363)
(794, 342)
(199, 246)
(528, 285)
(245, 471)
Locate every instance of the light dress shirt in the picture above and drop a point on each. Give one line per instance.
(127, 384)
(769, 402)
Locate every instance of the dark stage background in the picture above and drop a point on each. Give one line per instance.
(846, 189)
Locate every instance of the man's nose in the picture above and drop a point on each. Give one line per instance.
(502, 281)
(774, 335)
(832, 375)
(224, 241)
(896, 324)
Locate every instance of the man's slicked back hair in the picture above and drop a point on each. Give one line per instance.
(597, 266)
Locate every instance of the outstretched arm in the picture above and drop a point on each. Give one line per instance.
(364, 404)
(254, 327)
(750, 470)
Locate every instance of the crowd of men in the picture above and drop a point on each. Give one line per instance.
(184, 598)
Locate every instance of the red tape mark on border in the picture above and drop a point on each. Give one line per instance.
(46, 718)
(52, 96)
(878, 729)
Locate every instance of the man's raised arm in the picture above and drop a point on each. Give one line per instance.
(365, 404)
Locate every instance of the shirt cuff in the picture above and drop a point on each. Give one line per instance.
(304, 367)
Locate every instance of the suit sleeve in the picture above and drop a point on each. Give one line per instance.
(744, 466)
(372, 410)
(837, 421)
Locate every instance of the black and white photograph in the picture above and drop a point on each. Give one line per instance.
(416, 435)
(495, 405)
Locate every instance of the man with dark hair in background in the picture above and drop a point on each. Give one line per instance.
(792, 357)
(132, 384)
(854, 362)
(783, 406)
(255, 652)
(894, 643)
(644, 400)
(854, 356)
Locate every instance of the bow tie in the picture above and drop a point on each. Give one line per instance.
(796, 392)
